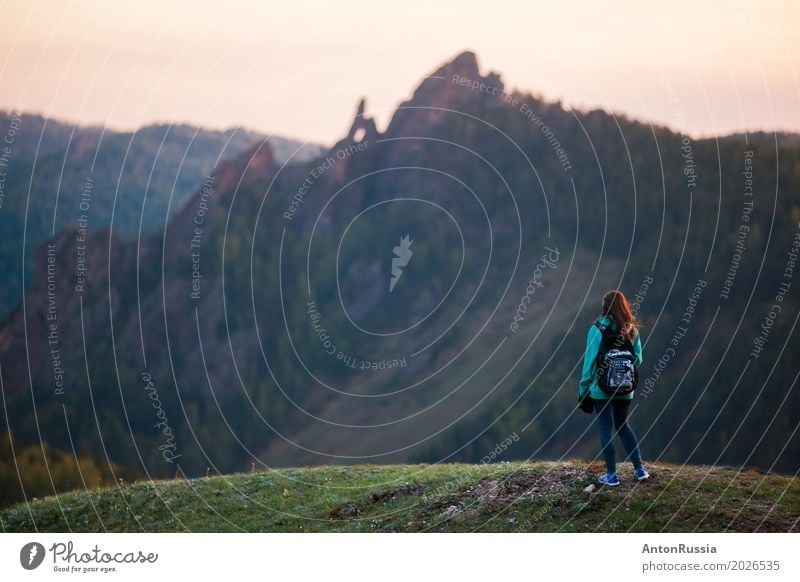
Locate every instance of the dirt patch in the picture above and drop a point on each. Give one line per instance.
(350, 509)
(346, 511)
(389, 494)
(515, 486)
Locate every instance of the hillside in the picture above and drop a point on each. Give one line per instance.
(63, 176)
(278, 339)
(505, 497)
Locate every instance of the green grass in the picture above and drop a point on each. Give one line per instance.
(505, 497)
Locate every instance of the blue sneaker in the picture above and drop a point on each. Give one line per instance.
(641, 474)
(609, 479)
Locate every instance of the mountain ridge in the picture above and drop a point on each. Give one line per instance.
(57, 175)
(232, 365)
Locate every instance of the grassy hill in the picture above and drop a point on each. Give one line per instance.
(505, 497)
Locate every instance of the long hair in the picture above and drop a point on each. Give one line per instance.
(616, 305)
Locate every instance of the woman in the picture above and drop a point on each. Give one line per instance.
(612, 411)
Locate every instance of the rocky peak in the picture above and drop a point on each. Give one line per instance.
(455, 86)
(361, 122)
(362, 129)
(258, 162)
(465, 64)
(217, 190)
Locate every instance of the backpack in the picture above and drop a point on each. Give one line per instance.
(615, 365)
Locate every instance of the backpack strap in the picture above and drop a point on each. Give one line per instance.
(603, 340)
(609, 335)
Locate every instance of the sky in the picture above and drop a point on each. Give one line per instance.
(298, 68)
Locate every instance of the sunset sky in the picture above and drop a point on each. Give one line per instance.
(298, 68)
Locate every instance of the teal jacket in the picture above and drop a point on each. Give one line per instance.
(588, 377)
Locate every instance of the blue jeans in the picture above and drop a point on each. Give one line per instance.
(614, 412)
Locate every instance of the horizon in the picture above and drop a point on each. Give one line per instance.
(303, 74)
(382, 126)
